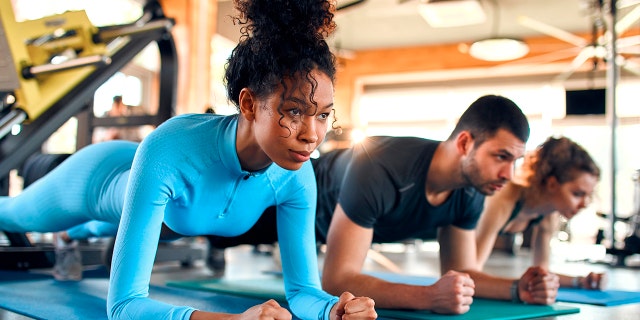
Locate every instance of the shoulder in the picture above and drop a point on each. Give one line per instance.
(194, 120)
(395, 142)
(471, 195)
(301, 178)
(293, 186)
(399, 148)
(191, 128)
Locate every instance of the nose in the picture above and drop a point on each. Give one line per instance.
(584, 201)
(506, 173)
(308, 131)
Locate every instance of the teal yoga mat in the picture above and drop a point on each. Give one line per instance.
(273, 288)
(39, 296)
(594, 297)
(607, 298)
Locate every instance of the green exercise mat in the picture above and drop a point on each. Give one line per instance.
(273, 288)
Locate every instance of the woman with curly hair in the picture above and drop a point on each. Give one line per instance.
(213, 174)
(557, 179)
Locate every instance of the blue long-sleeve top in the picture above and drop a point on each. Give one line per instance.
(187, 174)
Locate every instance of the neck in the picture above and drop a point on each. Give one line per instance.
(250, 154)
(444, 173)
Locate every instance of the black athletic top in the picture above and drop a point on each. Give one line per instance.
(514, 213)
(380, 184)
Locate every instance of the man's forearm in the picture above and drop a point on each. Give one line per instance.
(492, 287)
(385, 294)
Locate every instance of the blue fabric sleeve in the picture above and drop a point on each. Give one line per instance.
(150, 184)
(296, 237)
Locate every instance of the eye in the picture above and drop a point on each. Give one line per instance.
(323, 116)
(579, 194)
(295, 112)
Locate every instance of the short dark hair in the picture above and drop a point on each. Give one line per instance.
(488, 114)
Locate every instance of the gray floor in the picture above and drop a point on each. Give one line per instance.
(421, 259)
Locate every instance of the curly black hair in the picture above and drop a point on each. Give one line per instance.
(280, 39)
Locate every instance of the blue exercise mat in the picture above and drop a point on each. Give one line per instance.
(40, 296)
(595, 297)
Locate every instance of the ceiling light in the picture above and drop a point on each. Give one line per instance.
(498, 49)
(452, 13)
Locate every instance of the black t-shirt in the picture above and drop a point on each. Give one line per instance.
(514, 213)
(380, 184)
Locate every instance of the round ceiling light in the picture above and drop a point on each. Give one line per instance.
(498, 49)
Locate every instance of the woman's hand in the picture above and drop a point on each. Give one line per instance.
(269, 310)
(593, 281)
(350, 307)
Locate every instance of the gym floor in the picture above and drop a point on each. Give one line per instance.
(421, 258)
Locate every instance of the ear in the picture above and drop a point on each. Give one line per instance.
(464, 142)
(247, 104)
(552, 183)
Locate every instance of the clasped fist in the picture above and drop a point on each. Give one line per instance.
(269, 310)
(350, 307)
(593, 281)
(538, 286)
(453, 293)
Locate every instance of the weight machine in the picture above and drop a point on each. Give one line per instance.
(49, 71)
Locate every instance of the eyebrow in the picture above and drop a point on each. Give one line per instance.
(304, 102)
(329, 106)
(505, 152)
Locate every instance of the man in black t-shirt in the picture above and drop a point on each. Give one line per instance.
(390, 189)
(381, 184)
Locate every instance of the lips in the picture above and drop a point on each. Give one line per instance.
(497, 186)
(300, 156)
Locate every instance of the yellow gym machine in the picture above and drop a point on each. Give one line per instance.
(50, 69)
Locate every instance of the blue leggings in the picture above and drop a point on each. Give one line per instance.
(92, 229)
(89, 185)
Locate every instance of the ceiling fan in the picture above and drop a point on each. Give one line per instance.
(598, 48)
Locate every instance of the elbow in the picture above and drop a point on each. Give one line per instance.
(117, 309)
(330, 285)
(113, 309)
(334, 283)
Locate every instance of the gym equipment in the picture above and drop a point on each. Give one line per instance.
(631, 244)
(49, 71)
(40, 95)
